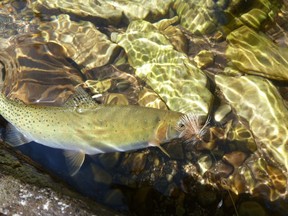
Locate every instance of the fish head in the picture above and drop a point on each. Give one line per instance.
(168, 128)
(191, 126)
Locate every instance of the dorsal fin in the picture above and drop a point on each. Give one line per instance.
(80, 99)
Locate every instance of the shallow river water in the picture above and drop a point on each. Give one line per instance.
(222, 64)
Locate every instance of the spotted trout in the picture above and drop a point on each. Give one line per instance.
(88, 128)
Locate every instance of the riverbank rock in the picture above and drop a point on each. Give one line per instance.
(26, 190)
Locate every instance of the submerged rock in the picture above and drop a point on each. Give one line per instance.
(113, 85)
(254, 53)
(204, 59)
(107, 11)
(222, 111)
(149, 98)
(15, 19)
(38, 72)
(279, 28)
(100, 175)
(207, 17)
(199, 17)
(82, 42)
(250, 208)
(170, 73)
(144, 9)
(173, 33)
(123, 88)
(258, 102)
(100, 11)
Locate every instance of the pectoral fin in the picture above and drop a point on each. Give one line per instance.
(74, 161)
(159, 136)
(13, 137)
(156, 144)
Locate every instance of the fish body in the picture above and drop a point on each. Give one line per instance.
(92, 129)
(89, 129)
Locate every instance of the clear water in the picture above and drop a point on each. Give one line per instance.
(44, 57)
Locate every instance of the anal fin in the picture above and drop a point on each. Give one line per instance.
(14, 137)
(74, 160)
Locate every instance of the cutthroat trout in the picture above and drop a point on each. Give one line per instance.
(88, 128)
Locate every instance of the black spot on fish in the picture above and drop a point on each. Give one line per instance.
(157, 119)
